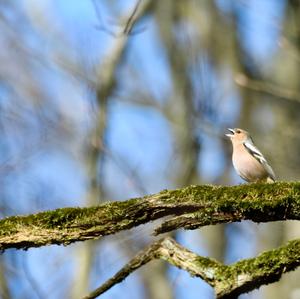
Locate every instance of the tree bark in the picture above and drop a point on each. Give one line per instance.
(193, 207)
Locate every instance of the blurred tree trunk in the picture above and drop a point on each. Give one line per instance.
(179, 111)
(95, 193)
(211, 42)
(285, 145)
(4, 290)
(105, 86)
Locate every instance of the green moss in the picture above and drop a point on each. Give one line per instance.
(268, 265)
(209, 193)
(243, 202)
(65, 218)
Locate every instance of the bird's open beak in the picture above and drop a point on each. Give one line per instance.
(232, 133)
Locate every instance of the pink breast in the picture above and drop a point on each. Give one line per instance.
(248, 167)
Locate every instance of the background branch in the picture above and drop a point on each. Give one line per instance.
(268, 88)
(227, 281)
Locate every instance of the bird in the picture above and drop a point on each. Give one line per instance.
(247, 160)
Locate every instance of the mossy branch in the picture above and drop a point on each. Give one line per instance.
(227, 281)
(193, 206)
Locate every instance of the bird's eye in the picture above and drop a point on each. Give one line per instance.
(238, 131)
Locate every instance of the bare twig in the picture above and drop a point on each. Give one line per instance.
(131, 20)
(139, 260)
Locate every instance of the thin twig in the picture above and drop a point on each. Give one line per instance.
(139, 260)
(132, 19)
(128, 25)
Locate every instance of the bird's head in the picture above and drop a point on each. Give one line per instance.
(238, 135)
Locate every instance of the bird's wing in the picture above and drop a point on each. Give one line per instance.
(255, 152)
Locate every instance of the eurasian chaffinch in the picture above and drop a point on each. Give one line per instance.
(248, 161)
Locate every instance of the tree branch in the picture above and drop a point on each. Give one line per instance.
(144, 257)
(227, 281)
(249, 274)
(194, 206)
(267, 88)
